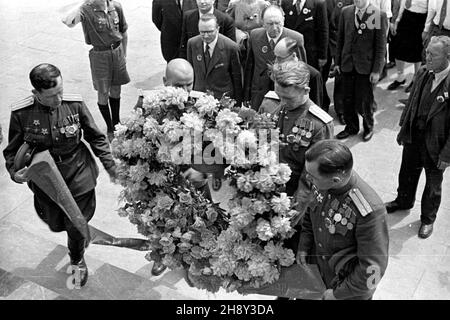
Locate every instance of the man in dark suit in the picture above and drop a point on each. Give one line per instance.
(309, 17)
(215, 59)
(425, 136)
(361, 46)
(167, 16)
(261, 44)
(192, 17)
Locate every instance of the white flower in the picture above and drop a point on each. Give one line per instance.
(227, 120)
(171, 130)
(264, 230)
(192, 121)
(247, 138)
(121, 130)
(206, 104)
(281, 204)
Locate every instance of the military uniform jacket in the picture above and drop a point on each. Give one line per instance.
(60, 130)
(437, 133)
(346, 231)
(299, 129)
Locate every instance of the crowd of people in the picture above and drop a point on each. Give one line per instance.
(275, 57)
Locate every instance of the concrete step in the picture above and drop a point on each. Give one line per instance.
(13, 287)
(43, 264)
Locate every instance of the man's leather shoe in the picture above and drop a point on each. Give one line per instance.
(408, 88)
(158, 268)
(394, 85)
(344, 134)
(425, 230)
(79, 271)
(341, 119)
(216, 183)
(394, 206)
(368, 135)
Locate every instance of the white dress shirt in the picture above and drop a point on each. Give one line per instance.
(383, 5)
(211, 45)
(434, 13)
(439, 77)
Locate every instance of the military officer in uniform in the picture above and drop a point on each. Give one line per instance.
(344, 227)
(302, 123)
(53, 121)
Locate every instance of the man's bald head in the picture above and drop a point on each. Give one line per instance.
(285, 50)
(179, 73)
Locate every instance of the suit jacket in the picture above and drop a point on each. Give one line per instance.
(256, 78)
(333, 21)
(168, 18)
(312, 23)
(363, 52)
(223, 74)
(190, 27)
(437, 134)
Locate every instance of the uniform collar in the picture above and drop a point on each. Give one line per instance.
(438, 77)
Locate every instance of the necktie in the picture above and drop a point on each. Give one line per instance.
(179, 5)
(207, 56)
(358, 18)
(408, 4)
(272, 44)
(443, 14)
(298, 5)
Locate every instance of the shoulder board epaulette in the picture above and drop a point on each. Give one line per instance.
(272, 95)
(72, 97)
(360, 202)
(25, 102)
(320, 113)
(195, 94)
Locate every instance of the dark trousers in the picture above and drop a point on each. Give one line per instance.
(338, 94)
(55, 218)
(358, 99)
(325, 70)
(415, 157)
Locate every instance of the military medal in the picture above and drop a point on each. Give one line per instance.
(308, 135)
(344, 221)
(303, 132)
(290, 138)
(332, 229)
(264, 49)
(291, 13)
(199, 57)
(36, 122)
(294, 129)
(349, 226)
(328, 223)
(305, 10)
(362, 26)
(330, 212)
(44, 131)
(62, 130)
(339, 4)
(440, 99)
(337, 217)
(360, 31)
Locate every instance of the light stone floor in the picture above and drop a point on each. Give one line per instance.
(33, 259)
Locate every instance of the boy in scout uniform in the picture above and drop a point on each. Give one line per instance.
(344, 227)
(53, 121)
(105, 28)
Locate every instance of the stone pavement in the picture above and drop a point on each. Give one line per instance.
(33, 259)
